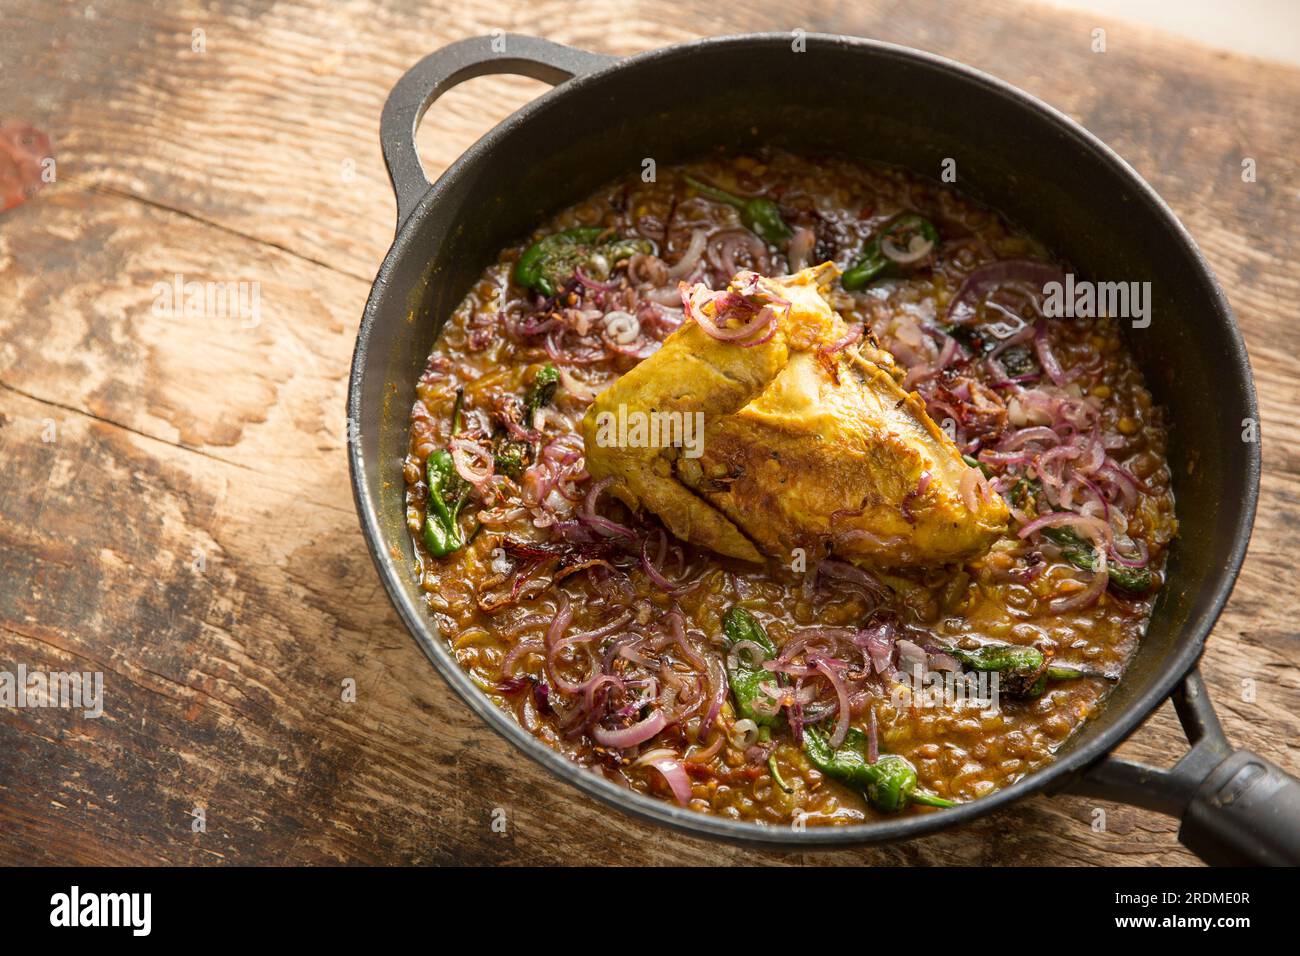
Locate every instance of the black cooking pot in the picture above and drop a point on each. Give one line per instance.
(878, 102)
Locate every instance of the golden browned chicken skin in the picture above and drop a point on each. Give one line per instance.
(807, 442)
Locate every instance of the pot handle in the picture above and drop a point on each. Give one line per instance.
(1237, 809)
(438, 72)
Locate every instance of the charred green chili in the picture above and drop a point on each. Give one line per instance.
(447, 495)
(1024, 671)
(745, 671)
(901, 232)
(760, 216)
(1074, 548)
(889, 784)
(541, 392)
(448, 492)
(550, 263)
(1083, 555)
(1017, 360)
(512, 455)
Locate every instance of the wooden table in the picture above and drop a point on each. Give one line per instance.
(174, 501)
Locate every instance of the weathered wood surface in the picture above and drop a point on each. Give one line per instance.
(188, 528)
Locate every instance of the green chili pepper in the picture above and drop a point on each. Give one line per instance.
(1018, 361)
(760, 216)
(1083, 555)
(551, 262)
(447, 495)
(1023, 491)
(776, 774)
(511, 455)
(1079, 551)
(873, 264)
(889, 784)
(744, 673)
(448, 492)
(456, 408)
(1000, 657)
(541, 392)
(1023, 669)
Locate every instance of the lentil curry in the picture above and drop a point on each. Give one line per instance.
(789, 689)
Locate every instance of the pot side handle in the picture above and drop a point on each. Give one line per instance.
(438, 72)
(1237, 808)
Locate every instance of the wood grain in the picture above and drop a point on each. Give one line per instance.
(174, 504)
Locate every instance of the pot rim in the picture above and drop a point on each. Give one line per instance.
(1063, 768)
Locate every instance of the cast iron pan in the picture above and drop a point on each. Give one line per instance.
(885, 103)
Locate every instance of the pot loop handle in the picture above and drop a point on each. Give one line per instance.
(455, 63)
(1237, 809)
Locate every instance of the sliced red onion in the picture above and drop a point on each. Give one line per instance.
(917, 249)
(943, 662)
(563, 616)
(878, 642)
(842, 694)
(724, 245)
(780, 666)
(844, 571)
(1005, 458)
(909, 655)
(708, 753)
(1142, 559)
(1046, 357)
(594, 687)
(917, 374)
(799, 251)
(691, 257)
(720, 686)
(558, 356)
(603, 631)
(519, 651)
(653, 572)
(762, 340)
(675, 775)
(796, 715)
(696, 299)
(462, 450)
(676, 627)
(577, 389)
(849, 338)
(1094, 528)
(1089, 595)
(1022, 436)
(591, 283)
(1124, 481)
(973, 487)
(589, 517)
(638, 733)
(983, 280)
(769, 701)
